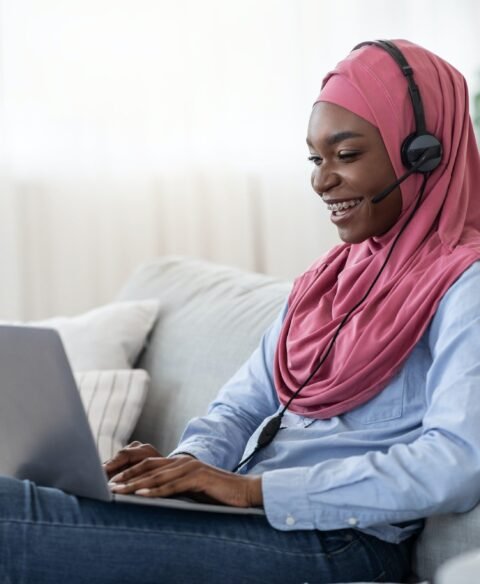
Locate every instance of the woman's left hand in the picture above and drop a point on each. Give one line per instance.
(182, 474)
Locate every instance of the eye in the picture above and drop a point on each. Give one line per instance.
(348, 154)
(315, 159)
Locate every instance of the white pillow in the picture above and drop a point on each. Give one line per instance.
(108, 337)
(113, 401)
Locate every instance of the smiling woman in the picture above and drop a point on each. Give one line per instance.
(357, 416)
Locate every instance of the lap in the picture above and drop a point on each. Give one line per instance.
(49, 536)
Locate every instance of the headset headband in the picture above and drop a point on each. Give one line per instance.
(421, 143)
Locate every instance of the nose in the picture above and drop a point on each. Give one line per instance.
(324, 179)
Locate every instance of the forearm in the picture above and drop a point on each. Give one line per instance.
(436, 474)
(218, 438)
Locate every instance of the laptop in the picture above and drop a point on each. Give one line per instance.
(45, 436)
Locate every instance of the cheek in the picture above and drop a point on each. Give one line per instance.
(385, 214)
(396, 205)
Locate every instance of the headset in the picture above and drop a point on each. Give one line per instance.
(421, 152)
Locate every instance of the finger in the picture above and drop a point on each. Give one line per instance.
(123, 459)
(148, 480)
(128, 456)
(131, 445)
(181, 486)
(139, 469)
(146, 465)
(120, 452)
(159, 476)
(133, 448)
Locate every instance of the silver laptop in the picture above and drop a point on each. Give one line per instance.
(44, 431)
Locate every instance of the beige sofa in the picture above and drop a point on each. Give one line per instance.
(211, 319)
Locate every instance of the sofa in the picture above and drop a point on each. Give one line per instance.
(211, 318)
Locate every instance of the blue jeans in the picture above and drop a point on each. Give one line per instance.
(47, 536)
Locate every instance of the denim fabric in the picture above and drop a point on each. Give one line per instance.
(47, 536)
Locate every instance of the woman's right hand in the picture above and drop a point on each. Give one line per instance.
(128, 456)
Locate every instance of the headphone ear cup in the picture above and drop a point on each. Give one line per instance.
(414, 147)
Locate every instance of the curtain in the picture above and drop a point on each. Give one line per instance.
(132, 129)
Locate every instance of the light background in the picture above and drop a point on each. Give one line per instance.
(132, 129)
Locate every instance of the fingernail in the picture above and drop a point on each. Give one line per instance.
(142, 492)
(118, 486)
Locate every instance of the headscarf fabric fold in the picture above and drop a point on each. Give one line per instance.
(440, 242)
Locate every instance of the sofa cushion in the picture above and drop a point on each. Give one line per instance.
(107, 337)
(210, 320)
(113, 401)
(444, 537)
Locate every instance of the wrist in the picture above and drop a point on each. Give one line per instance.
(255, 493)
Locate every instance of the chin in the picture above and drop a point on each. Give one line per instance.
(353, 237)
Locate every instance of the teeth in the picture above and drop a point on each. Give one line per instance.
(343, 206)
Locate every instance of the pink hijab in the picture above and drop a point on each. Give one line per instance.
(441, 241)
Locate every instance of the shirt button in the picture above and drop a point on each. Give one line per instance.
(290, 520)
(352, 521)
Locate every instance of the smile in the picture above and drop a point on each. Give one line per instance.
(339, 207)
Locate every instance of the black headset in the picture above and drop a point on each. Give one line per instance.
(420, 144)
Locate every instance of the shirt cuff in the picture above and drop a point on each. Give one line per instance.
(285, 499)
(196, 450)
(179, 452)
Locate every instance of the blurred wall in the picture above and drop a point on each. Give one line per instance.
(130, 129)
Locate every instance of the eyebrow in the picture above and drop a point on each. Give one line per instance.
(340, 137)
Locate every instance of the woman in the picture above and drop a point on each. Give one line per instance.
(366, 382)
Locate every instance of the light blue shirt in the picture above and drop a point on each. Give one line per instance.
(410, 452)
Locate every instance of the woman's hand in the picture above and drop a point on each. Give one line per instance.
(157, 476)
(128, 456)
